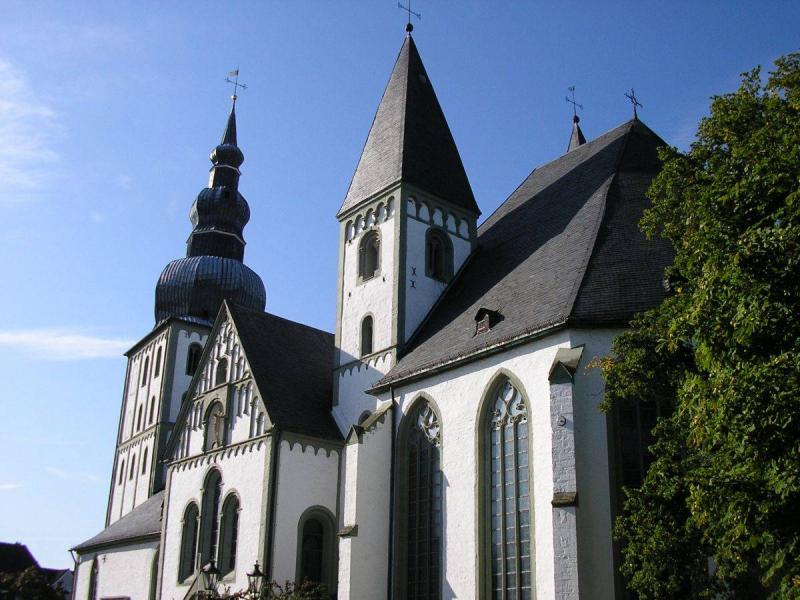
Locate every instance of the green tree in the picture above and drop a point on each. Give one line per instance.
(718, 513)
(30, 584)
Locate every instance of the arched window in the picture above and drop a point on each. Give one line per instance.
(93, 579)
(145, 369)
(369, 255)
(506, 538)
(438, 255)
(139, 418)
(366, 336)
(157, 366)
(121, 473)
(421, 504)
(222, 372)
(193, 358)
(229, 534)
(144, 461)
(133, 468)
(188, 541)
(215, 426)
(212, 493)
(316, 548)
(152, 414)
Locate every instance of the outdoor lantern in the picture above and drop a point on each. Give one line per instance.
(255, 580)
(210, 576)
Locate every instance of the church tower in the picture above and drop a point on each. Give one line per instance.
(188, 296)
(407, 225)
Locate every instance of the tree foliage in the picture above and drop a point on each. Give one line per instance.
(718, 514)
(30, 584)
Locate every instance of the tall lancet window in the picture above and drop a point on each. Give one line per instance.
(507, 511)
(222, 372)
(369, 255)
(212, 494)
(193, 358)
(366, 335)
(188, 541)
(423, 504)
(229, 534)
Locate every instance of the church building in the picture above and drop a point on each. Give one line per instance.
(445, 441)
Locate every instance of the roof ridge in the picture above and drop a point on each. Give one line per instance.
(590, 249)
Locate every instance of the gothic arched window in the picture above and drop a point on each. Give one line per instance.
(316, 548)
(133, 468)
(188, 541)
(508, 563)
(193, 358)
(212, 493)
(144, 461)
(152, 414)
(438, 255)
(121, 473)
(422, 504)
(229, 534)
(222, 372)
(215, 426)
(157, 365)
(139, 418)
(145, 369)
(369, 255)
(366, 335)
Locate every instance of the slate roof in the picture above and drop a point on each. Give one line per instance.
(15, 558)
(563, 249)
(410, 140)
(142, 521)
(292, 364)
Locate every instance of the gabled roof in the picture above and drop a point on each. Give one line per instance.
(410, 141)
(292, 365)
(15, 558)
(565, 248)
(144, 521)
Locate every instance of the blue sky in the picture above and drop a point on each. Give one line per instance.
(108, 112)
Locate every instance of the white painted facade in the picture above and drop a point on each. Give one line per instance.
(122, 572)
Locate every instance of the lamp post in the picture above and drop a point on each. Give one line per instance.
(210, 577)
(255, 580)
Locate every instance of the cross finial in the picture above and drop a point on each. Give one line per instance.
(409, 26)
(575, 105)
(634, 101)
(235, 83)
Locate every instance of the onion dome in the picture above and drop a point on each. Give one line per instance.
(194, 287)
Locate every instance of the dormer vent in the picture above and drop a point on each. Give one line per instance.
(485, 319)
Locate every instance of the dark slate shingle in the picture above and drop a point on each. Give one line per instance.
(565, 247)
(142, 521)
(293, 368)
(410, 140)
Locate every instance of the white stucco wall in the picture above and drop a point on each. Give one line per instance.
(184, 337)
(123, 571)
(244, 473)
(595, 551)
(374, 296)
(351, 384)
(363, 559)
(424, 292)
(307, 477)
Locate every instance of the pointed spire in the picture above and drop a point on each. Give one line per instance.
(410, 141)
(576, 139)
(229, 137)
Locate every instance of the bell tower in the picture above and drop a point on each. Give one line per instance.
(407, 224)
(188, 296)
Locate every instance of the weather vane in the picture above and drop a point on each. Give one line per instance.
(575, 105)
(409, 26)
(634, 101)
(235, 83)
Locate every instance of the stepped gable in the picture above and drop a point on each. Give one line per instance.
(292, 365)
(564, 249)
(410, 141)
(144, 521)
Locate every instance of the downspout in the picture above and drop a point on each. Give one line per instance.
(390, 578)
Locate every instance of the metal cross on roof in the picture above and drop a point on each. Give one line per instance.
(409, 26)
(235, 83)
(634, 101)
(575, 105)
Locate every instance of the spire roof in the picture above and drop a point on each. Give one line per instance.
(410, 141)
(229, 137)
(576, 139)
